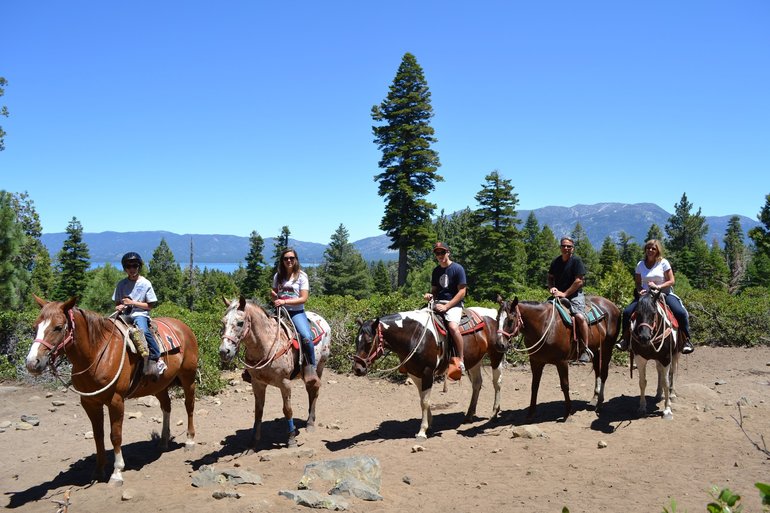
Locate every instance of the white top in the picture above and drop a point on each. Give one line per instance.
(290, 289)
(140, 290)
(655, 274)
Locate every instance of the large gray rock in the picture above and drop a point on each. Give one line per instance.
(209, 476)
(364, 469)
(315, 500)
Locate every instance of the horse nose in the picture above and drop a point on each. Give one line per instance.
(225, 354)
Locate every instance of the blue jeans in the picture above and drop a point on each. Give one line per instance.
(143, 323)
(302, 325)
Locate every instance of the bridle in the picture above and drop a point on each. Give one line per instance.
(59, 347)
(376, 350)
(245, 329)
(518, 327)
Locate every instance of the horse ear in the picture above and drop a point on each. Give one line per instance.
(515, 301)
(241, 303)
(67, 306)
(360, 322)
(499, 299)
(227, 301)
(40, 301)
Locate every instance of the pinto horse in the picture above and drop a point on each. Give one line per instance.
(549, 340)
(273, 358)
(654, 337)
(105, 373)
(413, 336)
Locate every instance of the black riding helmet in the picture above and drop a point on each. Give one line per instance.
(131, 256)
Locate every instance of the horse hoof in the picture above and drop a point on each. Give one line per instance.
(189, 446)
(421, 436)
(668, 416)
(292, 443)
(115, 483)
(310, 428)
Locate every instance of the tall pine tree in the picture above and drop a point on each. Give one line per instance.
(73, 261)
(345, 272)
(408, 162)
(165, 274)
(13, 276)
(685, 245)
(498, 263)
(256, 272)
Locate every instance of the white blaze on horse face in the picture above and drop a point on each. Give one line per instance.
(32, 355)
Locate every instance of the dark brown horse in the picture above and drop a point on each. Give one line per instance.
(549, 339)
(654, 337)
(105, 373)
(415, 339)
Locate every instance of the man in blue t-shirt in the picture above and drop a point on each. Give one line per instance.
(566, 277)
(447, 288)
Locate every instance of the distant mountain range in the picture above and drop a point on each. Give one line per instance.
(599, 221)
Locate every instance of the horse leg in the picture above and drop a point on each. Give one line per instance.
(188, 385)
(95, 412)
(601, 371)
(537, 373)
(672, 371)
(663, 372)
(313, 389)
(476, 381)
(427, 415)
(497, 379)
(563, 367)
(288, 413)
(641, 369)
(165, 407)
(116, 410)
(259, 390)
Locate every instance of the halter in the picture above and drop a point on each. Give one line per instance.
(660, 333)
(246, 328)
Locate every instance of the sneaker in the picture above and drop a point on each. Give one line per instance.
(586, 356)
(622, 345)
(161, 367)
(688, 347)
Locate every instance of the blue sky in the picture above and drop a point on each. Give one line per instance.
(228, 117)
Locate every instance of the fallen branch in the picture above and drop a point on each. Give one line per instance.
(763, 448)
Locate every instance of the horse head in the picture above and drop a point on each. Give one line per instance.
(368, 346)
(648, 322)
(235, 326)
(509, 323)
(53, 331)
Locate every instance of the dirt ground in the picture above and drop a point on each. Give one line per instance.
(480, 466)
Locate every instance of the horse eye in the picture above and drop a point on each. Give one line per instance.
(240, 324)
(58, 328)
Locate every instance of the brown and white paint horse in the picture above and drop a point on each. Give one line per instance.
(653, 337)
(270, 349)
(104, 373)
(549, 340)
(413, 337)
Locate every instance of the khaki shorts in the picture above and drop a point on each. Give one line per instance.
(454, 314)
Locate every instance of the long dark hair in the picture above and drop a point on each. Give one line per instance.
(282, 273)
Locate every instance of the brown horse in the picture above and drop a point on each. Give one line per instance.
(414, 338)
(653, 337)
(272, 355)
(549, 340)
(105, 373)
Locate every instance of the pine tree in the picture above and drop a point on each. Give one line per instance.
(585, 250)
(735, 254)
(381, 277)
(345, 272)
(73, 261)
(498, 263)
(29, 221)
(3, 112)
(629, 252)
(165, 274)
(685, 245)
(541, 246)
(409, 164)
(608, 255)
(281, 243)
(653, 233)
(13, 276)
(455, 230)
(100, 286)
(256, 271)
(42, 274)
(758, 273)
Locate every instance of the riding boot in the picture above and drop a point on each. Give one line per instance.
(624, 342)
(151, 368)
(688, 347)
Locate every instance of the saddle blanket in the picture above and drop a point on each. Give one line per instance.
(593, 313)
(317, 332)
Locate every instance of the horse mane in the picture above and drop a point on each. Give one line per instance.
(98, 326)
(646, 307)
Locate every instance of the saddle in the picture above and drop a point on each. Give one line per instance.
(593, 313)
(166, 338)
(470, 322)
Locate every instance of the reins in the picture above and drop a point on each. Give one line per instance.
(273, 353)
(537, 346)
